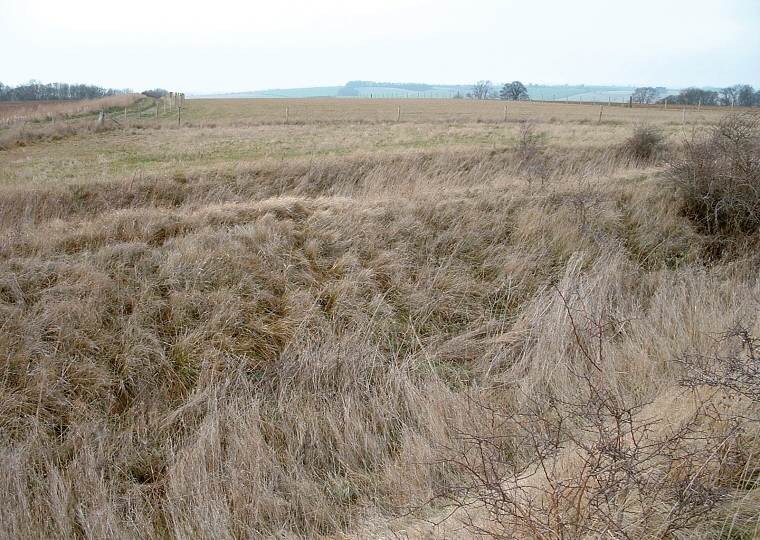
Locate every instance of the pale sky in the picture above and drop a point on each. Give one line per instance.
(220, 46)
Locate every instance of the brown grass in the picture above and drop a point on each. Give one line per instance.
(27, 123)
(241, 329)
(13, 112)
(422, 111)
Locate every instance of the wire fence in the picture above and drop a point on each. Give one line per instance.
(400, 110)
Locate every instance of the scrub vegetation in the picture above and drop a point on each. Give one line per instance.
(338, 324)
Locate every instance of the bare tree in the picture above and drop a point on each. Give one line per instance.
(694, 96)
(741, 95)
(747, 96)
(481, 90)
(646, 94)
(730, 95)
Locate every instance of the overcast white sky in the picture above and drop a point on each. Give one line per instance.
(228, 46)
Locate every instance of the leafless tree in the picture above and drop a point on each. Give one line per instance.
(481, 90)
(646, 94)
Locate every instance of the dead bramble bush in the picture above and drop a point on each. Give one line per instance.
(731, 373)
(597, 464)
(717, 174)
(736, 372)
(534, 163)
(646, 144)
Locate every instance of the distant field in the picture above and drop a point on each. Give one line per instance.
(222, 133)
(324, 91)
(536, 92)
(429, 110)
(311, 110)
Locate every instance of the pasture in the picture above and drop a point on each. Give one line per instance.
(331, 318)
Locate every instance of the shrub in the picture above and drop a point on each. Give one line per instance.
(646, 144)
(595, 464)
(731, 372)
(531, 151)
(156, 93)
(737, 373)
(718, 176)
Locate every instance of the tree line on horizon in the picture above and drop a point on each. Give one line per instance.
(739, 95)
(37, 91)
(351, 89)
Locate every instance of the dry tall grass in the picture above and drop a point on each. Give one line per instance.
(292, 346)
(24, 122)
(12, 112)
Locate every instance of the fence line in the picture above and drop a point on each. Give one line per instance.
(418, 110)
(305, 112)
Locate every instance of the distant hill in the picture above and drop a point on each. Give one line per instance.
(319, 91)
(371, 89)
